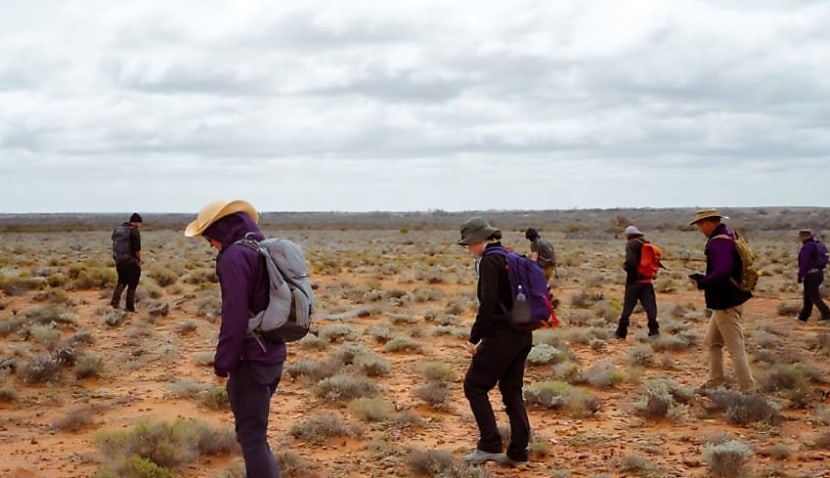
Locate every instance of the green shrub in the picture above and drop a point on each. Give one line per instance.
(544, 354)
(371, 409)
(167, 444)
(434, 394)
(217, 399)
(402, 344)
(317, 428)
(163, 275)
(373, 365)
(438, 371)
(345, 387)
(727, 460)
(88, 366)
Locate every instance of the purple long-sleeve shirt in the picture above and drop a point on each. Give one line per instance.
(723, 269)
(245, 291)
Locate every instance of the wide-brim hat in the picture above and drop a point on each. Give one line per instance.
(215, 211)
(475, 229)
(704, 214)
(805, 233)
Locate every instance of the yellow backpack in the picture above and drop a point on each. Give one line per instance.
(749, 272)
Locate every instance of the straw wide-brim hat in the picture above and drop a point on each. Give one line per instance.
(215, 211)
(805, 233)
(704, 214)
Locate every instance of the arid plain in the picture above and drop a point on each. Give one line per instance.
(375, 391)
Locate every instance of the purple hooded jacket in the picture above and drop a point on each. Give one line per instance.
(723, 269)
(808, 258)
(244, 283)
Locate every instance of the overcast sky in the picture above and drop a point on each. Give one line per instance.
(161, 106)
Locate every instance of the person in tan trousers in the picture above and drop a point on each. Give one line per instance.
(725, 299)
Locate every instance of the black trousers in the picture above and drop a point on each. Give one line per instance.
(644, 293)
(812, 296)
(250, 388)
(128, 276)
(500, 360)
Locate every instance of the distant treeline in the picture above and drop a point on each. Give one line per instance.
(574, 222)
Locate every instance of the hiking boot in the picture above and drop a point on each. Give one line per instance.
(114, 304)
(478, 457)
(801, 320)
(130, 309)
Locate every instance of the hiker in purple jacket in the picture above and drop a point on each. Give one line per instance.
(252, 367)
(724, 298)
(812, 259)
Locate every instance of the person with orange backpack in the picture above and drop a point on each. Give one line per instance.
(642, 262)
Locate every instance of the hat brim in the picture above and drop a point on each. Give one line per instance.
(719, 216)
(215, 211)
(480, 235)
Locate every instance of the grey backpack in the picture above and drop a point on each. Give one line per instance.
(291, 301)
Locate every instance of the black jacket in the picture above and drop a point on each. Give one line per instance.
(633, 254)
(494, 297)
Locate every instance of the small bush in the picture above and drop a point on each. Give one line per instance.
(337, 333)
(167, 444)
(402, 344)
(293, 465)
(788, 309)
(317, 428)
(163, 276)
(217, 399)
(8, 394)
(604, 374)
(345, 387)
(641, 355)
(743, 410)
(560, 395)
(435, 463)
(438, 371)
(568, 372)
(434, 394)
(373, 365)
(727, 460)
(76, 420)
(822, 441)
(313, 369)
(635, 464)
(371, 409)
(41, 369)
(544, 354)
(88, 366)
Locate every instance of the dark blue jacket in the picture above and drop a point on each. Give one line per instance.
(494, 296)
(244, 283)
(723, 271)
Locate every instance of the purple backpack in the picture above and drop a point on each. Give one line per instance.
(821, 254)
(532, 308)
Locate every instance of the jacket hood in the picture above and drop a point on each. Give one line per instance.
(232, 228)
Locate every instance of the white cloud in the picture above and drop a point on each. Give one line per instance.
(366, 105)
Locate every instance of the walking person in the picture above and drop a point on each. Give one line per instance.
(126, 252)
(498, 351)
(812, 260)
(724, 298)
(252, 367)
(638, 287)
(542, 252)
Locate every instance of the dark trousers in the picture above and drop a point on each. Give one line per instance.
(250, 387)
(128, 276)
(812, 296)
(644, 293)
(500, 359)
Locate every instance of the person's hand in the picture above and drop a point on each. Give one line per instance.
(472, 349)
(220, 381)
